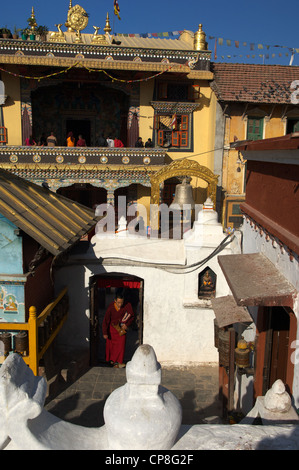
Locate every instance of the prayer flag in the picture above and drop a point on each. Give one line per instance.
(116, 9)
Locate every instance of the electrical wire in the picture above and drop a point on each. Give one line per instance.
(182, 269)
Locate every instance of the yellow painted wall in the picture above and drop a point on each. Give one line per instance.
(12, 108)
(144, 198)
(203, 131)
(236, 127)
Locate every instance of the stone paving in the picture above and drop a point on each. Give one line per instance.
(82, 402)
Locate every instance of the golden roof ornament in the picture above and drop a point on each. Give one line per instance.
(32, 21)
(200, 43)
(70, 29)
(107, 28)
(77, 18)
(98, 38)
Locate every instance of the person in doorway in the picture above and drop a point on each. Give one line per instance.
(115, 325)
(51, 140)
(81, 142)
(70, 140)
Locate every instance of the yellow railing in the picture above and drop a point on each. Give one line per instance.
(41, 329)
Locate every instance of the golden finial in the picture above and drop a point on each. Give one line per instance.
(200, 43)
(107, 28)
(70, 29)
(32, 21)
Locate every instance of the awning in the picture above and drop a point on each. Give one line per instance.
(254, 280)
(52, 220)
(102, 282)
(228, 312)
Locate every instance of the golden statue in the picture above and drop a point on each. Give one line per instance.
(98, 38)
(58, 36)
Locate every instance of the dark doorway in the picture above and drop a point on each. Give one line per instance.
(102, 292)
(85, 194)
(79, 127)
(277, 347)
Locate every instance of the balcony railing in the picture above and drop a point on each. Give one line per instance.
(82, 155)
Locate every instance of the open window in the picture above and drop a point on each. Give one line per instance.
(3, 135)
(173, 130)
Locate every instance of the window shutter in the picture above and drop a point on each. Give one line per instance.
(160, 137)
(3, 135)
(175, 139)
(184, 138)
(184, 122)
(255, 128)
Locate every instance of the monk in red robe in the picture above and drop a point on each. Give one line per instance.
(116, 322)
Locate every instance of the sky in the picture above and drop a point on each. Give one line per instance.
(236, 31)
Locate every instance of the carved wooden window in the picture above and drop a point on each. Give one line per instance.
(172, 130)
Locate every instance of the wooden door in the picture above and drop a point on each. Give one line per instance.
(277, 347)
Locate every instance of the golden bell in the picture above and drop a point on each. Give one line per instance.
(183, 195)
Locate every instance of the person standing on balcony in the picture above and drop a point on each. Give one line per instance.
(110, 142)
(70, 140)
(139, 142)
(101, 141)
(30, 141)
(118, 142)
(51, 140)
(149, 143)
(81, 142)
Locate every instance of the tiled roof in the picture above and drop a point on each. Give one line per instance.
(54, 221)
(254, 83)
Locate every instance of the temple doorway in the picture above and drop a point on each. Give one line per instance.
(102, 292)
(79, 127)
(85, 194)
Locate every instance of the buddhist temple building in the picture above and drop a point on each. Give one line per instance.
(103, 85)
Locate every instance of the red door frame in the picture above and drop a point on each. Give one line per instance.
(261, 348)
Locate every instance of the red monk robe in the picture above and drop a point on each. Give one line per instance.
(121, 317)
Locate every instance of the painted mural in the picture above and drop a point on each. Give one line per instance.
(12, 305)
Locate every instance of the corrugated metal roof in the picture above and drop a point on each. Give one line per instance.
(54, 221)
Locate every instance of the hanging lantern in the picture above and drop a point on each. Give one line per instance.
(242, 354)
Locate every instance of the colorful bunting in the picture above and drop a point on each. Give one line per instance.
(114, 79)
